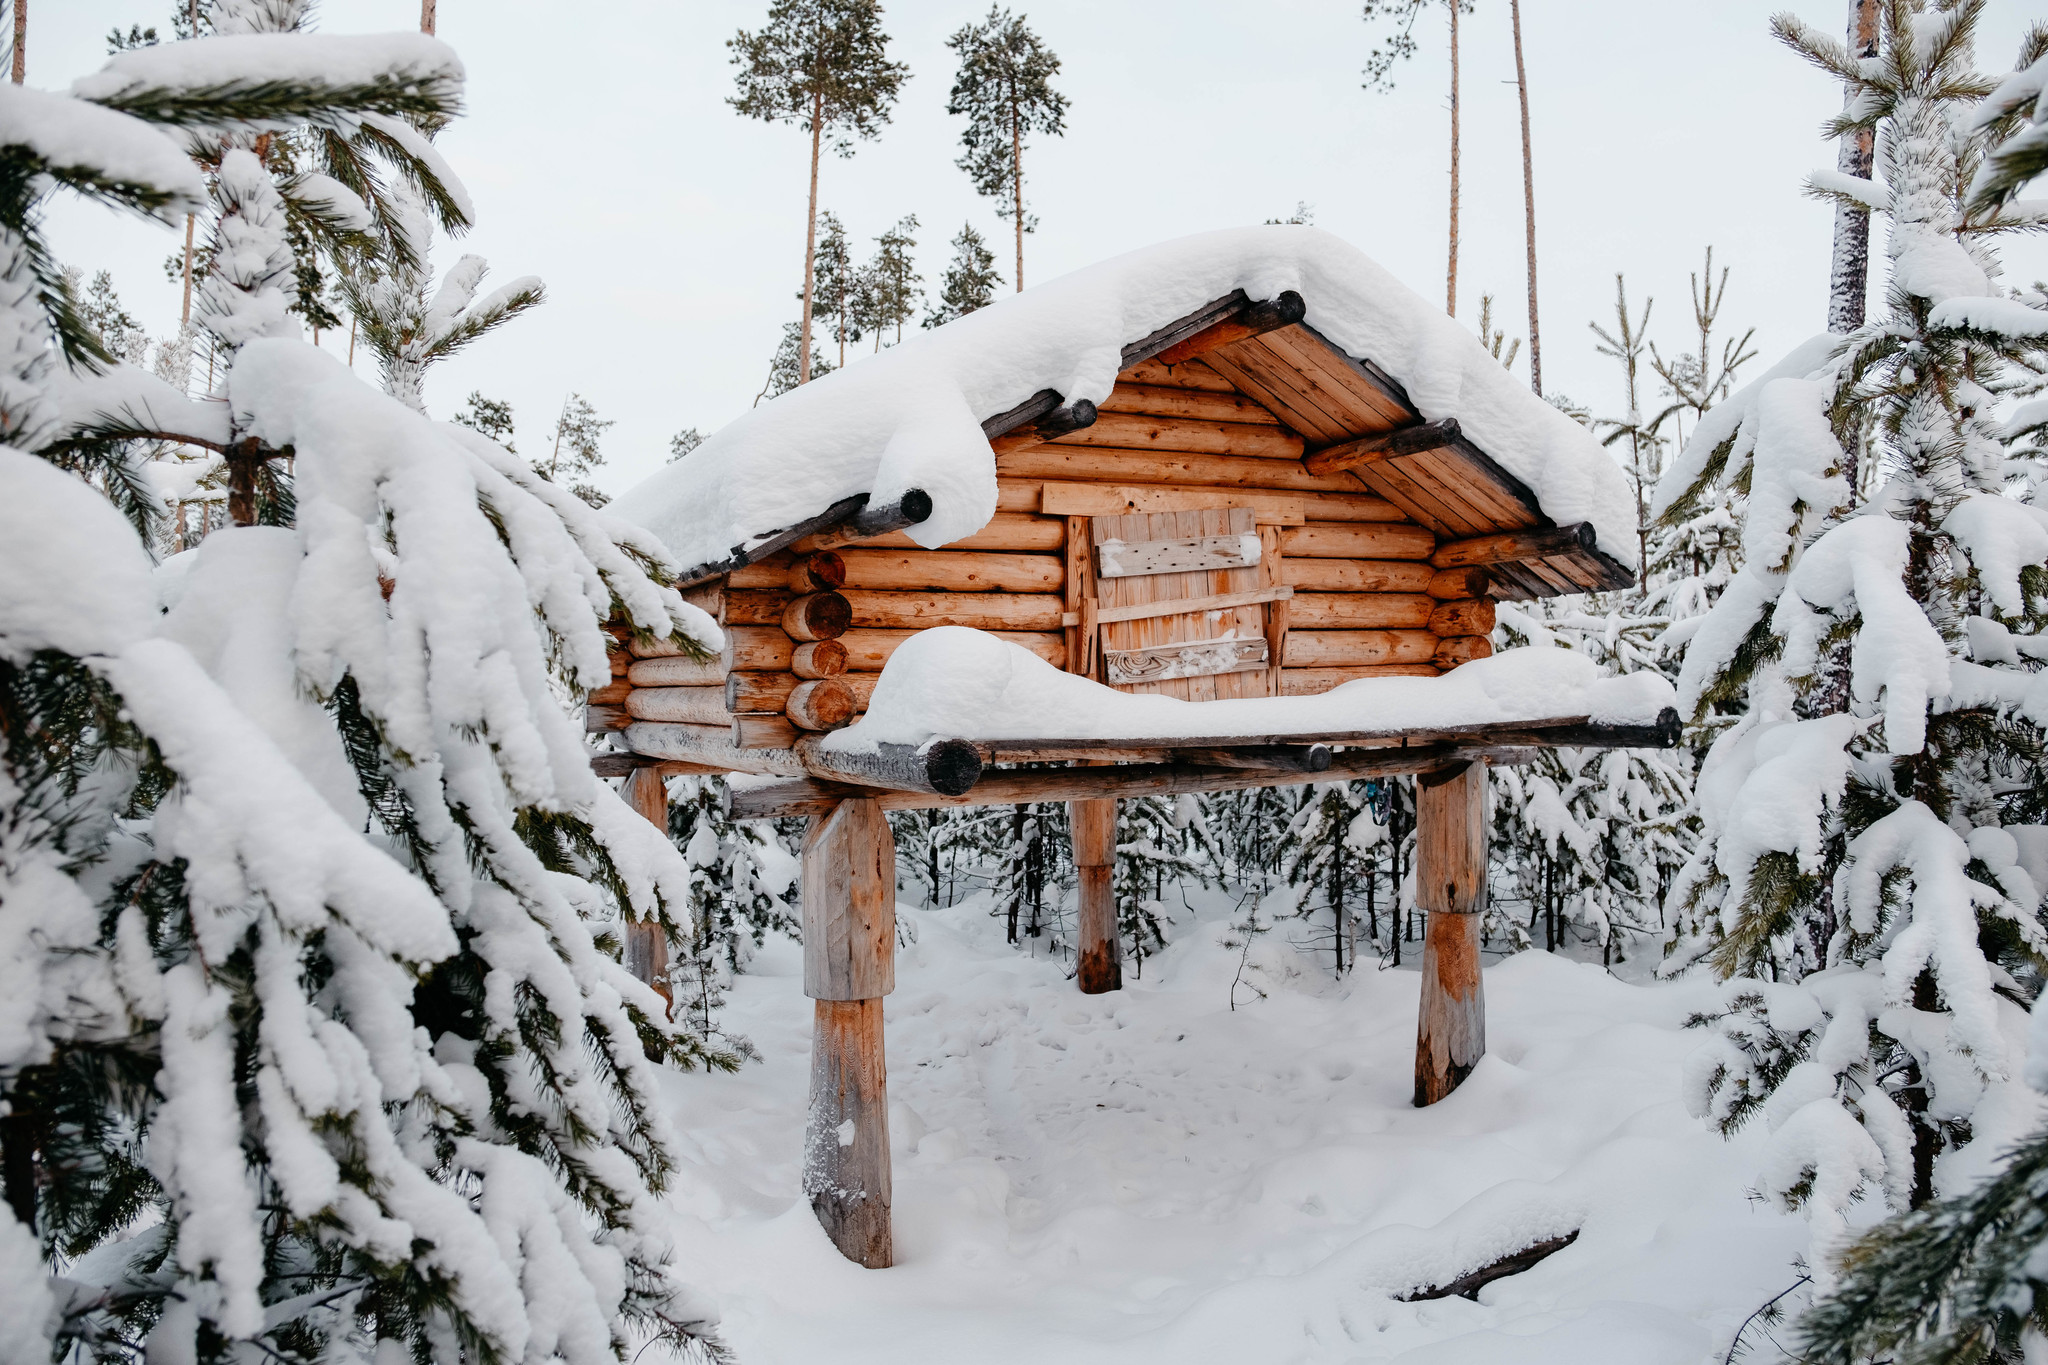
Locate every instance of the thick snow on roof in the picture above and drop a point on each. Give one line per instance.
(952, 681)
(911, 416)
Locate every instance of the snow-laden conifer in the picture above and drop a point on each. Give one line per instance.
(1856, 869)
(373, 1072)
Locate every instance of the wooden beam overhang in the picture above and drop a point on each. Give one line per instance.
(900, 778)
(845, 520)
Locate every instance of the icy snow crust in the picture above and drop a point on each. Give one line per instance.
(1150, 1176)
(911, 416)
(952, 681)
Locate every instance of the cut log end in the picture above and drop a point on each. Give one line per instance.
(817, 616)
(818, 659)
(953, 766)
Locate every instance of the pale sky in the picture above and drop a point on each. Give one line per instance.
(601, 155)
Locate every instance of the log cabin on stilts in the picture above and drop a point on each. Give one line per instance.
(1230, 512)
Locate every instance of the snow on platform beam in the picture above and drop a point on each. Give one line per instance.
(1156, 771)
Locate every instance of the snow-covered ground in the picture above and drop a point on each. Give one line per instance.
(1152, 1176)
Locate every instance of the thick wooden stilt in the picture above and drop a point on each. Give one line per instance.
(1450, 884)
(849, 906)
(646, 944)
(1100, 955)
(846, 1141)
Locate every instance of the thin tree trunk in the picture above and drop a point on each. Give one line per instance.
(427, 17)
(1017, 186)
(186, 316)
(20, 41)
(1529, 203)
(803, 355)
(1848, 282)
(1451, 273)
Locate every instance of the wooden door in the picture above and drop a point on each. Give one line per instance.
(1147, 560)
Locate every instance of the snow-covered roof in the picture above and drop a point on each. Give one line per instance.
(911, 417)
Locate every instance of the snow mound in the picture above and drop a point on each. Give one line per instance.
(911, 416)
(959, 682)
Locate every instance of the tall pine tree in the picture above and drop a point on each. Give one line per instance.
(822, 65)
(1004, 88)
(969, 282)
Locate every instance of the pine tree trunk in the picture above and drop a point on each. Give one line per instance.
(1451, 274)
(1529, 205)
(20, 41)
(1017, 186)
(803, 355)
(427, 17)
(1848, 284)
(185, 316)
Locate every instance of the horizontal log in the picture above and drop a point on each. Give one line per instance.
(1357, 540)
(676, 673)
(1470, 616)
(1385, 445)
(818, 571)
(598, 720)
(1359, 611)
(946, 767)
(769, 571)
(759, 649)
(1508, 546)
(1355, 575)
(763, 732)
(952, 570)
(817, 616)
(656, 649)
(620, 662)
(1032, 785)
(1449, 584)
(685, 705)
(1282, 310)
(750, 692)
(1350, 507)
(1313, 682)
(1163, 400)
(1194, 375)
(612, 693)
(708, 598)
(1461, 649)
(1298, 758)
(1119, 500)
(981, 610)
(1140, 431)
(754, 606)
(1017, 529)
(818, 659)
(820, 704)
(868, 650)
(709, 745)
(1183, 606)
(1078, 464)
(1330, 648)
(1552, 731)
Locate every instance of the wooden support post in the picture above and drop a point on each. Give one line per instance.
(1450, 885)
(646, 944)
(1100, 954)
(849, 906)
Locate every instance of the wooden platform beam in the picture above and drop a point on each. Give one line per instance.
(1450, 886)
(849, 909)
(1098, 954)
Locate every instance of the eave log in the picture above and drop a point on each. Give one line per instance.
(1385, 445)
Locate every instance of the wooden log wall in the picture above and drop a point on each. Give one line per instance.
(809, 627)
